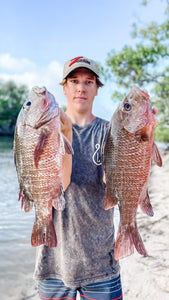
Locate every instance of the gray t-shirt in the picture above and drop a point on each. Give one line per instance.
(85, 231)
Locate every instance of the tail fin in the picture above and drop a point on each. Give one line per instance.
(128, 237)
(44, 234)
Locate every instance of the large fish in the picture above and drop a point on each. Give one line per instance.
(38, 150)
(128, 153)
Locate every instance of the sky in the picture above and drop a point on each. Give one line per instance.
(38, 36)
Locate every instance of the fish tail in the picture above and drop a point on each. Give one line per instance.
(44, 234)
(128, 237)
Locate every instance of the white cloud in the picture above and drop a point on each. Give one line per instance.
(24, 71)
(13, 64)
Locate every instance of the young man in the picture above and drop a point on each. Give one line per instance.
(84, 257)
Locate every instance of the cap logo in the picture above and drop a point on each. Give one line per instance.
(73, 60)
(84, 60)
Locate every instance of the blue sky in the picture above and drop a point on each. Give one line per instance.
(38, 36)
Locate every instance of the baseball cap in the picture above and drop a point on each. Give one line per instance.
(80, 62)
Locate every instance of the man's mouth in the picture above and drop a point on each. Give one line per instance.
(80, 98)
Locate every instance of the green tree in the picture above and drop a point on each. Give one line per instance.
(12, 97)
(145, 65)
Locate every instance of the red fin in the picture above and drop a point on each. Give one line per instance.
(146, 206)
(156, 157)
(109, 200)
(40, 146)
(25, 203)
(44, 234)
(128, 237)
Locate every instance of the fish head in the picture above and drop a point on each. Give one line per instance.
(136, 111)
(39, 108)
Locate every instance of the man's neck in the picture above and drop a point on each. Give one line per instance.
(79, 118)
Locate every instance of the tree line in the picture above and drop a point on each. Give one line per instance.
(145, 65)
(12, 96)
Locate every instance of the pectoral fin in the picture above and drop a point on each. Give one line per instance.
(40, 146)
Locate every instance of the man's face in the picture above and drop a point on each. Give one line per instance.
(80, 90)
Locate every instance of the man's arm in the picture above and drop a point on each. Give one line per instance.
(66, 129)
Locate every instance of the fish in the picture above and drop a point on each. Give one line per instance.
(39, 147)
(128, 153)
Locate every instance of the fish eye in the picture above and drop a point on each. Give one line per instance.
(127, 106)
(27, 104)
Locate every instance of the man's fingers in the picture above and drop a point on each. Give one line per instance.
(155, 110)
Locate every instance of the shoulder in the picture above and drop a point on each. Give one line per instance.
(103, 124)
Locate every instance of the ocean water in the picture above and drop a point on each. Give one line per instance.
(16, 253)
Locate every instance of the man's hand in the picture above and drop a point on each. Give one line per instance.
(155, 110)
(66, 129)
(66, 125)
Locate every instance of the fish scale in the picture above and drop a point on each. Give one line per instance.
(128, 152)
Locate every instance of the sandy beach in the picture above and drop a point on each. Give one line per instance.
(142, 277)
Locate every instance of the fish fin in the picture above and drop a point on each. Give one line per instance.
(156, 157)
(109, 200)
(59, 203)
(44, 235)
(25, 203)
(65, 145)
(128, 237)
(144, 134)
(40, 146)
(146, 206)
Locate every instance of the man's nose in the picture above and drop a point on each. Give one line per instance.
(81, 87)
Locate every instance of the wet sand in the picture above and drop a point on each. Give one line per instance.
(142, 277)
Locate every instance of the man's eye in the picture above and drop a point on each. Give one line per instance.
(89, 82)
(74, 81)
